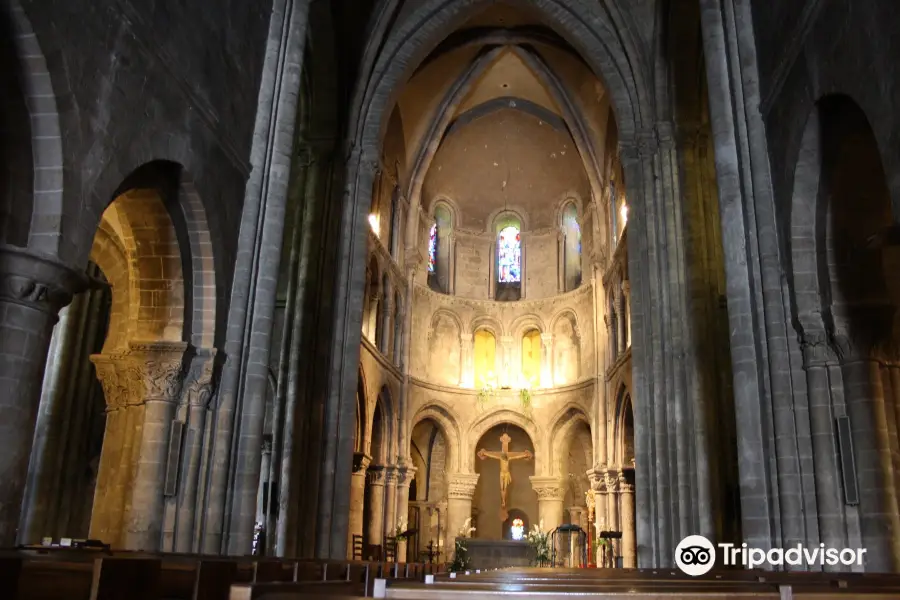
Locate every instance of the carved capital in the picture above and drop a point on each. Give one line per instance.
(361, 463)
(595, 477)
(36, 281)
(199, 386)
(375, 475)
(113, 379)
(390, 476)
(548, 488)
(156, 369)
(461, 486)
(405, 476)
(816, 349)
(624, 485)
(612, 482)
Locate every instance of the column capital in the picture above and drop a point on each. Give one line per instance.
(405, 475)
(548, 488)
(461, 486)
(390, 475)
(113, 376)
(465, 337)
(37, 281)
(596, 477)
(816, 349)
(156, 369)
(199, 385)
(361, 463)
(546, 338)
(624, 485)
(375, 475)
(611, 479)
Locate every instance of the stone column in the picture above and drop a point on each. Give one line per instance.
(550, 492)
(158, 369)
(265, 465)
(460, 490)
(626, 321)
(357, 498)
(506, 361)
(864, 397)
(390, 501)
(467, 372)
(404, 478)
(629, 544)
(611, 481)
(375, 482)
(621, 321)
(546, 360)
(387, 318)
(33, 289)
(817, 356)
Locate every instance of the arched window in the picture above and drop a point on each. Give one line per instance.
(398, 330)
(395, 222)
(531, 359)
(509, 260)
(432, 248)
(440, 250)
(613, 209)
(485, 354)
(571, 250)
(509, 255)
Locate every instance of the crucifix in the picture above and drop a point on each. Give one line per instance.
(504, 456)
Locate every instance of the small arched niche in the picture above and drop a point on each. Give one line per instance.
(440, 250)
(520, 496)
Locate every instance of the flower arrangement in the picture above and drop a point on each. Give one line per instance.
(401, 527)
(539, 540)
(460, 552)
(487, 390)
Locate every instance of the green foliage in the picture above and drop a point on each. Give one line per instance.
(525, 399)
(540, 542)
(461, 559)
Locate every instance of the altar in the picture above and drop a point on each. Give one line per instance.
(495, 554)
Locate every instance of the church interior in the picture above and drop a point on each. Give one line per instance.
(341, 280)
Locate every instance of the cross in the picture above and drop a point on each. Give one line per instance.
(504, 456)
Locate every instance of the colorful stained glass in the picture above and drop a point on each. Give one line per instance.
(518, 529)
(432, 248)
(509, 254)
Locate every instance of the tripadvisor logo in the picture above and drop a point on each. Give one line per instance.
(695, 555)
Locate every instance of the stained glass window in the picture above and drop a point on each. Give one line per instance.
(509, 254)
(432, 248)
(518, 529)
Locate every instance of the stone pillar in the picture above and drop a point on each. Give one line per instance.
(629, 543)
(626, 321)
(157, 368)
(507, 343)
(265, 470)
(387, 317)
(817, 356)
(864, 397)
(467, 370)
(613, 522)
(550, 492)
(33, 289)
(404, 478)
(390, 501)
(375, 482)
(357, 498)
(460, 490)
(621, 322)
(546, 360)
(198, 391)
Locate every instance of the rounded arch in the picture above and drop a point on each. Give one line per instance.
(623, 427)
(487, 323)
(443, 201)
(498, 417)
(563, 426)
(506, 216)
(446, 420)
(449, 314)
(565, 312)
(526, 323)
(111, 252)
(43, 226)
(380, 429)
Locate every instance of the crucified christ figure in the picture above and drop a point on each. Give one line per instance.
(504, 456)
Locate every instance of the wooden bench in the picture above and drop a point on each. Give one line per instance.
(72, 574)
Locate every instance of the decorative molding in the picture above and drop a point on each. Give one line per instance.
(816, 349)
(361, 463)
(37, 281)
(199, 386)
(156, 370)
(375, 475)
(461, 486)
(612, 482)
(548, 488)
(405, 475)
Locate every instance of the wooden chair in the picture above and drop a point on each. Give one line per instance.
(357, 547)
(390, 549)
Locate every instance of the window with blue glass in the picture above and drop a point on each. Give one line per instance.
(509, 255)
(432, 248)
